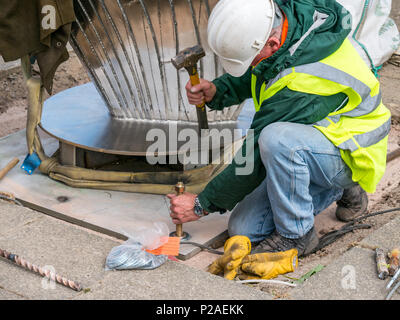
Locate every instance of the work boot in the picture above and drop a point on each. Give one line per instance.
(353, 204)
(277, 243)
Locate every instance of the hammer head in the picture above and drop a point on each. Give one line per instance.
(188, 57)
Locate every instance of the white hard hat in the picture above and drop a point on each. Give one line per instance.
(238, 31)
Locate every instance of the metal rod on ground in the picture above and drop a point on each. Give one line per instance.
(397, 286)
(393, 280)
(36, 269)
(180, 189)
(8, 167)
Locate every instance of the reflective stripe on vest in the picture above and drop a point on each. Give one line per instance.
(367, 139)
(368, 104)
(324, 71)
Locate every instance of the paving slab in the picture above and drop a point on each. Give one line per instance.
(13, 217)
(171, 281)
(352, 276)
(79, 254)
(71, 251)
(386, 237)
(29, 285)
(6, 295)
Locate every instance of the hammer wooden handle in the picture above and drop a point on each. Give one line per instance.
(195, 80)
(8, 167)
(200, 108)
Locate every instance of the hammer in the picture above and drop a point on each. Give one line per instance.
(188, 59)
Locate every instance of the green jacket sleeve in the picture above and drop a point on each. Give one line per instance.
(233, 184)
(231, 90)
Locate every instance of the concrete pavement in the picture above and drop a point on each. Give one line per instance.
(354, 274)
(79, 254)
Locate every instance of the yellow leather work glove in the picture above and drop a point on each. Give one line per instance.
(235, 249)
(268, 265)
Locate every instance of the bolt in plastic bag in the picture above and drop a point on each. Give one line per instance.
(132, 255)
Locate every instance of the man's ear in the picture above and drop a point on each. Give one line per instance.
(274, 43)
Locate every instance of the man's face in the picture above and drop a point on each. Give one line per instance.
(269, 49)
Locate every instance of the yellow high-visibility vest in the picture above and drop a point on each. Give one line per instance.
(361, 126)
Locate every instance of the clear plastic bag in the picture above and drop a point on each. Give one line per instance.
(132, 255)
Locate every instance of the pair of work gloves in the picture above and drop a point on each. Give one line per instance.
(237, 261)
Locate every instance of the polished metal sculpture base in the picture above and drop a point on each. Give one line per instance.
(79, 119)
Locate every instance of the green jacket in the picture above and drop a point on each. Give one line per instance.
(228, 189)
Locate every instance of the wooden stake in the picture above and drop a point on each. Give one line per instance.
(8, 167)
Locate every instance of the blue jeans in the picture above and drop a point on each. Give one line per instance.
(304, 175)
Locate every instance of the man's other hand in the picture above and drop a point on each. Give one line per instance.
(203, 92)
(182, 208)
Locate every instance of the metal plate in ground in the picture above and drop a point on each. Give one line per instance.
(108, 212)
(78, 116)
